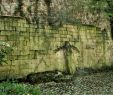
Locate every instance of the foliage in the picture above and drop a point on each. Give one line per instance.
(8, 88)
(102, 5)
(19, 9)
(105, 6)
(5, 49)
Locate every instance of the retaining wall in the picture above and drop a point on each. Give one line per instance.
(38, 50)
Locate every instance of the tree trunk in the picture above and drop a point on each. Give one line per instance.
(111, 25)
(48, 2)
(110, 5)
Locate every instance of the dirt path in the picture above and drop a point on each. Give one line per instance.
(94, 84)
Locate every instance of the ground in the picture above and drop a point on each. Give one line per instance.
(94, 84)
(83, 83)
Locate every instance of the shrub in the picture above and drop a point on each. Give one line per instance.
(5, 49)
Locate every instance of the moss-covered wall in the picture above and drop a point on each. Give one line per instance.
(38, 50)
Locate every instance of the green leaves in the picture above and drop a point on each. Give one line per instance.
(8, 88)
(104, 5)
(5, 49)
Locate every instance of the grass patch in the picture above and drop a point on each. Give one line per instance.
(12, 88)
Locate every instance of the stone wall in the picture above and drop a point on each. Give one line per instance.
(65, 49)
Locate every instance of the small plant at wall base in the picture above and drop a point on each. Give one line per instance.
(5, 49)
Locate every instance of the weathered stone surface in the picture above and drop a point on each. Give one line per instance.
(54, 12)
(40, 50)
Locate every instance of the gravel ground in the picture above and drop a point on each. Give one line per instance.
(94, 84)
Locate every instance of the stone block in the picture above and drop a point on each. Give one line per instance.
(13, 37)
(2, 27)
(12, 57)
(5, 68)
(15, 63)
(15, 24)
(3, 37)
(23, 57)
(4, 32)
